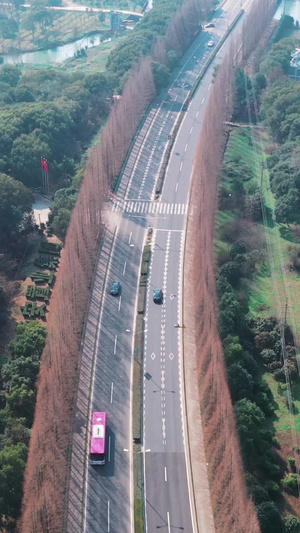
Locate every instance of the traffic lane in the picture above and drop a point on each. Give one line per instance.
(111, 393)
(154, 354)
(173, 409)
(164, 119)
(167, 501)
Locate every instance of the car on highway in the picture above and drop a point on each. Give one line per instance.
(210, 44)
(115, 288)
(157, 296)
(209, 25)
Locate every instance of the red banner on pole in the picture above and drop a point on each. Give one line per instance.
(44, 164)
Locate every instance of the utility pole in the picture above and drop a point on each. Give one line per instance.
(282, 332)
(261, 179)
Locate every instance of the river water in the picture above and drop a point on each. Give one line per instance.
(53, 55)
(289, 7)
(66, 51)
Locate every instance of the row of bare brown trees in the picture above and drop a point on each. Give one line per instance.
(233, 509)
(255, 25)
(46, 471)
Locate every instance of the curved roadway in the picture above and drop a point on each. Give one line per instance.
(101, 498)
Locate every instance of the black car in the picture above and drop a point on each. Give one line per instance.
(157, 296)
(115, 288)
(209, 25)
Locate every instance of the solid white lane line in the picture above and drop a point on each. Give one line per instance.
(109, 439)
(181, 165)
(130, 237)
(124, 268)
(166, 477)
(185, 147)
(108, 516)
(115, 348)
(168, 519)
(111, 391)
(176, 188)
(120, 303)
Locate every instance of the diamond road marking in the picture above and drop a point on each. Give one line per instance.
(153, 356)
(171, 356)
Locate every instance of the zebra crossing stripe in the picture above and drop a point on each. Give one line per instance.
(153, 208)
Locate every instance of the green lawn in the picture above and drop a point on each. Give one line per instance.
(274, 284)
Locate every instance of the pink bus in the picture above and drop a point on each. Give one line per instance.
(98, 447)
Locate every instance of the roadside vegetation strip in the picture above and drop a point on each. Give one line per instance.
(137, 399)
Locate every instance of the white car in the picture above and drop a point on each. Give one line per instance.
(210, 44)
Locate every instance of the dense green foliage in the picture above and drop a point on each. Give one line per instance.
(48, 114)
(141, 40)
(18, 391)
(280, 113)
(252, 345)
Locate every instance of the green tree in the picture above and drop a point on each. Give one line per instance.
(161, 75)
(15, 201)
(61, 223)
(21, 403)
(102, 16)
(231, 272)
(173, 59)
(15, 431)
(12, 465)
(291, 524)
(269, 518)
(10, 74)
(20, 371)
(29, 340)
(240, 382)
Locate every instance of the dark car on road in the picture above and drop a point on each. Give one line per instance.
(209, 25)
(157, 296)
(115, 288)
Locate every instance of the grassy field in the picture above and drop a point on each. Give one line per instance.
(96, 58)
(274, 283)
(65, 26)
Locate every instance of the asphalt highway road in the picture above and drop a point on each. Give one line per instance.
(105, 503)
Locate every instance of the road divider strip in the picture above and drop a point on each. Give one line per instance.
(137, 386)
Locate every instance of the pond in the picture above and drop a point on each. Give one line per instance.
(289, 7)
(54, 55)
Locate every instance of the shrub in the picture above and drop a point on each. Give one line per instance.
(268, 356)
(259, 494)
(292, 463)
(290, 483)
(291, 524)
(269, 518)
(231, 272)
(263, 341)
